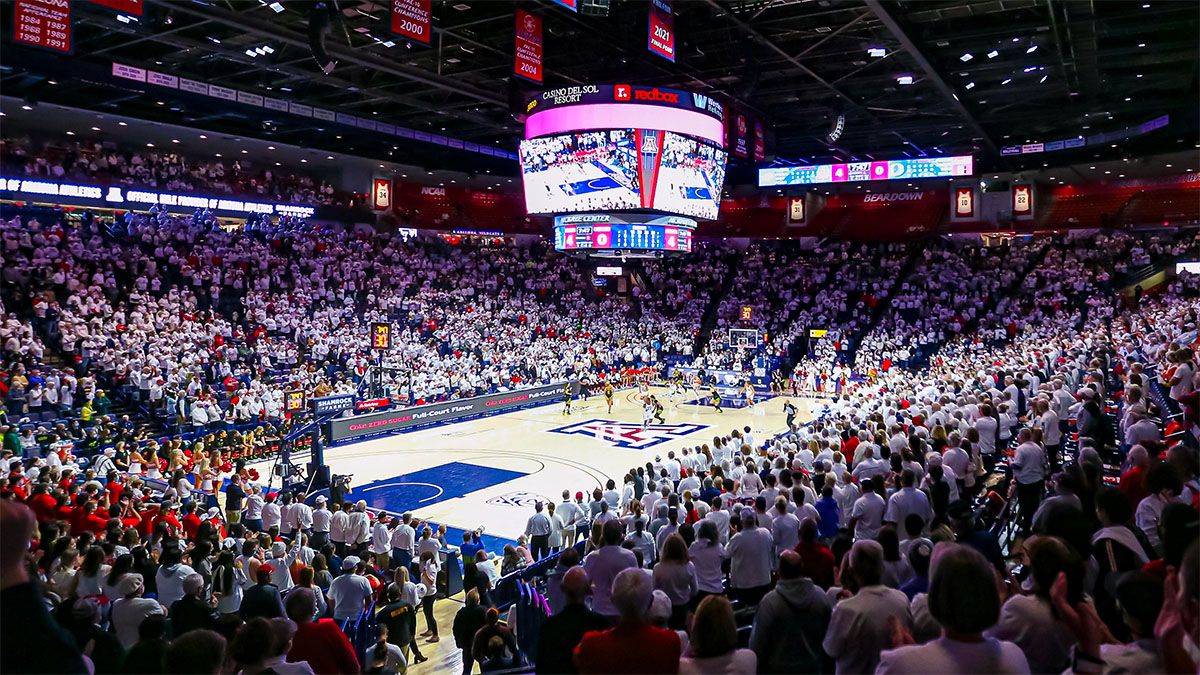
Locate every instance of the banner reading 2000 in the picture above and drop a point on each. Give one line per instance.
(410, 18)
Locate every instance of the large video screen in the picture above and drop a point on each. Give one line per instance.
(599, 232)
(690, 176)
(607, 171)
(857, 172)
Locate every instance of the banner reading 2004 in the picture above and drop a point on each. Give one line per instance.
(529, 46)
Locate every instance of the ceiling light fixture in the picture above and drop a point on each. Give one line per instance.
(993, 54)
(1032, 49)
(876, 52)
(1007, 81)
(966, 57)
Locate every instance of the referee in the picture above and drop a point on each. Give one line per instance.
(538, 531)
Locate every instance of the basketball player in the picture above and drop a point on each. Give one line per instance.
(658, 410)
(644, 389)
(567, 399)
(714, 398)
(608, 396)
(647, 413)
(748, 392)
(695, 384)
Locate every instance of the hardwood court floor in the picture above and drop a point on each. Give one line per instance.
(488, 472)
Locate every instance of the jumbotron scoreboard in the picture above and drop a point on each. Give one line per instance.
(613, 235)
(626, 170)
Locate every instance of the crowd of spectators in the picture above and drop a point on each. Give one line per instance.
(875, 539)
(97, 162)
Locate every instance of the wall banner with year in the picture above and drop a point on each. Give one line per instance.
(43, 23)
(528, 46)
(661, 30)
(411, 19)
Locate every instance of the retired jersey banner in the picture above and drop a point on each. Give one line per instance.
(661, 30)
(1022, 201)
(381, 194)
(964, 202)
(411, 19)
(528, 46)
(797, 210)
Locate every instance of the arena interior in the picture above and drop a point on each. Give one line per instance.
(599, 336)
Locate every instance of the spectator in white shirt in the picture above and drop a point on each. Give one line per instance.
(907, 500)
(866, 517)
(1029, 470)
(751, 554)
(964, 601)
(862, 625)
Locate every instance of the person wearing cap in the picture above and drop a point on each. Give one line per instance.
(192, 611)
(128, 612)
(261, 599)
(254, 509)
(350, 592)
(321, 519)
(282, 558)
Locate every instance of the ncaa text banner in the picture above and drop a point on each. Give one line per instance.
(411, 19)
(43, 23)
(660, 37)
(528, 46)
(348, 428)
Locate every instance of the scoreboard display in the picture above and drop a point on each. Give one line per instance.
(600, 233)
(858, 172)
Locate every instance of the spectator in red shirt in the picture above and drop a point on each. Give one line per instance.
(633, 646)
(321, 643)
(1133, 481)
(93, 520)
(190, 521)
(43, 503)
(817, 560)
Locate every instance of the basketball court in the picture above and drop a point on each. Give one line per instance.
(489, 472)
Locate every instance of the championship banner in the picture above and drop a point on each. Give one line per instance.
(43, 23)
(660, 32)
(797, 210)
(964, 202)
(572, 5)
(739, 133)
(1022, 201)
(528, 46)
(133, 7)
(760, 143)
(381, 335)
(411, 19)
(293, 401)
(347, 428)
(381, 194)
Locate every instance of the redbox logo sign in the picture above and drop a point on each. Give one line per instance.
(621, 92)
(656, 95)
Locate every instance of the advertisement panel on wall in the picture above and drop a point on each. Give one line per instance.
(349, 428)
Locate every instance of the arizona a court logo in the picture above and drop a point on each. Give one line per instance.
(627, 435)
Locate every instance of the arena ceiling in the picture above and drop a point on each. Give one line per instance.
(1037, 70)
